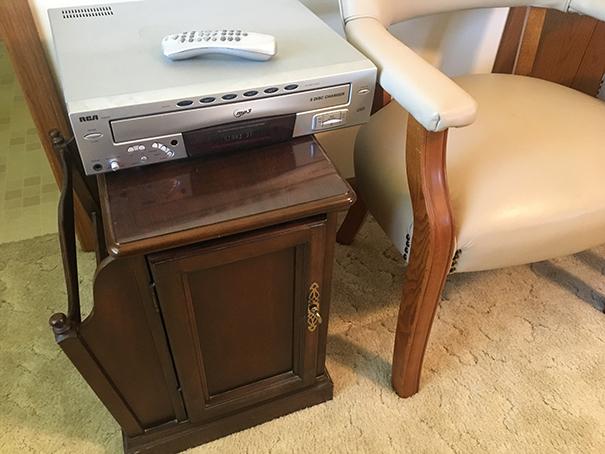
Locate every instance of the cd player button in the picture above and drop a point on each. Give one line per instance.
(170, 153)
(251, 93)
(271, 90)
(130, 149)
(230, 96)
(141, 147)
(291, 87)
(155, 145)
(363, 91)
(329, 119)
(184, 103)
(143, 158)
(207, 100)
(93, 136)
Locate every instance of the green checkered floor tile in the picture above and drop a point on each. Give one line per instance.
(28, 194)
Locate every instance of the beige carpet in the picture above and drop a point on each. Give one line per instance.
(516, 363)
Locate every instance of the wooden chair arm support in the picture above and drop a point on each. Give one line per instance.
(431, 253)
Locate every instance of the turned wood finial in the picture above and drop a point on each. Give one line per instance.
(59, 323)
(56, 137)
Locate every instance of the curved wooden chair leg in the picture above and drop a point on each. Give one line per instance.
(353, 221)
(431, 254)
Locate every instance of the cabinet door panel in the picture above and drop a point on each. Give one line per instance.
(262, 347)
(236, 316)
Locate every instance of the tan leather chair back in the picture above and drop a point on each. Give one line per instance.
(392, 11)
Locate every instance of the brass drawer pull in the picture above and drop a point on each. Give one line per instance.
(313, 314)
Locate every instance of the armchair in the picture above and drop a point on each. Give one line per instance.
(492, 170)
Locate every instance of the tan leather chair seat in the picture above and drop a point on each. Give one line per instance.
(526, 179)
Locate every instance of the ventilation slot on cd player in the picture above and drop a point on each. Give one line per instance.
(97, 11)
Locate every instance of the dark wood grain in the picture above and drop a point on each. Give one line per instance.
(20, 35)
(122, 341)
(568, 49)
(239, 333)
(530, 43)
(175, 438)
(589, 75)
(201, 329)
(512, 35)
(431, 253)
(171, 205)
(381, 99)
(354, 219)
(571, 51)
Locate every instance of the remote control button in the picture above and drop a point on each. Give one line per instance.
(213, 39)
(230, 39)
(238, 32)
(184, 103)
(237, 38)
(231, 32)
(291, 87)
(245, 34)
(251, 93)
(230, 96)
(271, 90)
(207, 100)
(223, 38)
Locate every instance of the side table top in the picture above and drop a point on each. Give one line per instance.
(152, 208)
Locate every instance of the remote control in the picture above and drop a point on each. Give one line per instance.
(249, 45)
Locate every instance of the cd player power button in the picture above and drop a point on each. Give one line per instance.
(93, 136)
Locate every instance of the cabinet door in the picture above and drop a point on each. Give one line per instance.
(236, 315)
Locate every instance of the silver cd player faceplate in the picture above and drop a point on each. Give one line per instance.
(129, 105)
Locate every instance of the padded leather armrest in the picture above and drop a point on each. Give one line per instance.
(430, 96)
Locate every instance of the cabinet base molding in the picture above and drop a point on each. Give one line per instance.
(177, 437)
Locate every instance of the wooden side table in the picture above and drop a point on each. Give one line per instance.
(210, 311)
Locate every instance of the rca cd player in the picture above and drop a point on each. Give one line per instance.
(129, 105)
